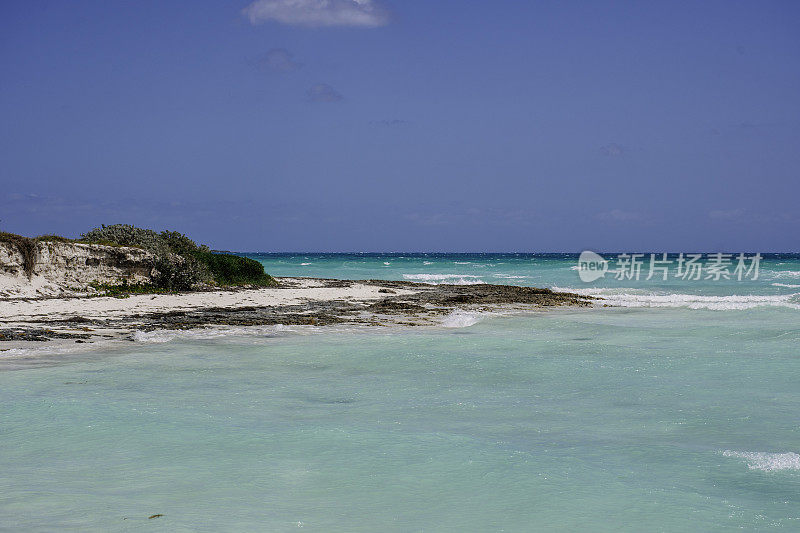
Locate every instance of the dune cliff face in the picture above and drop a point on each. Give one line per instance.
(66, 268)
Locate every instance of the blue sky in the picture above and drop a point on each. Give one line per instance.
(343, 125)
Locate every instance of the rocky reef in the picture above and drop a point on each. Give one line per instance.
(292, 301)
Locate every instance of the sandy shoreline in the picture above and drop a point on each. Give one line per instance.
(297, 301)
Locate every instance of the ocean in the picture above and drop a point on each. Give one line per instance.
(677, 409)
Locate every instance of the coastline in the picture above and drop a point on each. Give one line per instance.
(295, 301)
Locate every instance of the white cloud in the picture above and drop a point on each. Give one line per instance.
(322, 92)
(318, 13)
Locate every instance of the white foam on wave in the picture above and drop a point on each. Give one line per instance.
(786, 274)
(509, 276)
(454, 279)
(304, 264)
(462, 319)
(767, 462)
(630, 297)
(43, 352)
(789, 285)
(169, 335)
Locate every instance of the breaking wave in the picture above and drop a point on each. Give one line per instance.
(786, 274)
(462, 319)
(54, 351)
(454, 279)
(169, 335)
(629, 297)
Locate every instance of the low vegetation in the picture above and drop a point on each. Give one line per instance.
(179, 263)
(125, 289)
(228, 269)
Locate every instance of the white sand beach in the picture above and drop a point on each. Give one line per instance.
(293, 291)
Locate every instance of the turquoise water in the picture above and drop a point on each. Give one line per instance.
(777, 283)
(677, 410)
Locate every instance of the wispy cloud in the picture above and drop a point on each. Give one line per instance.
(619, 215)
(318, 13)
(388, 123)
(322, 92)
(613, 150)
(461, 216)
(750, 127)
(278, 60)
(726, 214)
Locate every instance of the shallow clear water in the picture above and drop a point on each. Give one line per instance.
(667, 414)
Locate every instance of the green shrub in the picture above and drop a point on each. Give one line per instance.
(125, 289)
(181, 244)
(228, 269)
(181, 264)
(127, 235)
(177, 273)
(175, 269)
